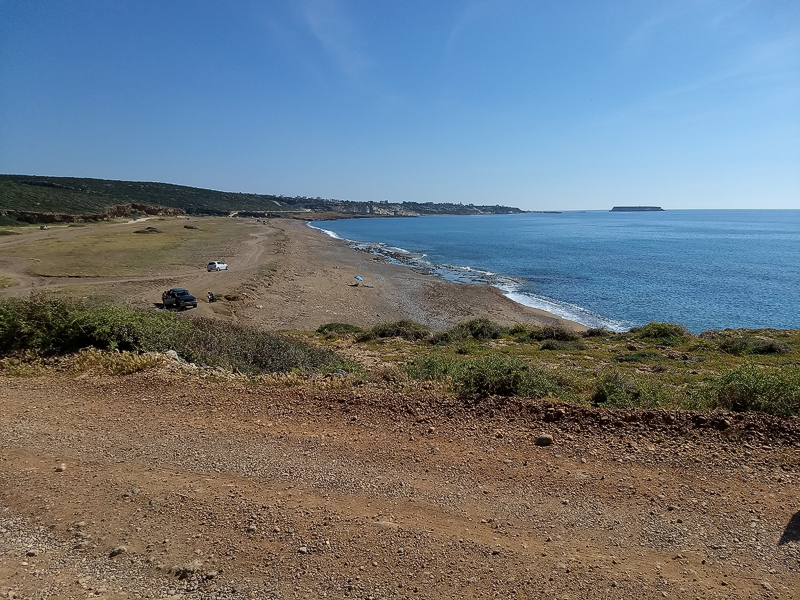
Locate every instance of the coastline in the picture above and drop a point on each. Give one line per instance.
(511, 287)
(312, 286)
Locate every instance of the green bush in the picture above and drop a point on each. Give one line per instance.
(51, 325)
(479, 329)
(519, 329)
(224, 343)
(774, 390)
(615, 390)
(6, 221)
(338, 328)
(527, 333)
(474, 330)
(538, 383)
(434, 367)
(753, 345)
(493, 374)
(661, 331)
(405, 328)
(596, 332)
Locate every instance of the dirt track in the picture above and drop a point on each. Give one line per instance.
(223, 490)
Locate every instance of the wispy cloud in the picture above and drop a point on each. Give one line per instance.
(762, 78)
(648, 30)
(730, 11)
(337, 34)
(772, 65)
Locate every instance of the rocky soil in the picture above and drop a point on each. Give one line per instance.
(164, 485)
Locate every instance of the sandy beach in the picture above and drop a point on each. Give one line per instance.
(283, 275)
(312, 285)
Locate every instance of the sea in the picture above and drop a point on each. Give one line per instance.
(705, 269)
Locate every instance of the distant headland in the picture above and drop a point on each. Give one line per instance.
(42, 199)
(635, 208)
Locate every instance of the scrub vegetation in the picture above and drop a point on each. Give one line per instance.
(657, 366)
(48, 326)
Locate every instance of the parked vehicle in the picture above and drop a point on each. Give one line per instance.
(179, 298)
(217, 265)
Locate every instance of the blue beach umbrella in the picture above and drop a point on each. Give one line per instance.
(358, 277)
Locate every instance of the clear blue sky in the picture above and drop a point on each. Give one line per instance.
(564, 104)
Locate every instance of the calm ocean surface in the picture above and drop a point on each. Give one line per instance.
(707, 269)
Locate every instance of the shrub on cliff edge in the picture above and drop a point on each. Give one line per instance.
(774, 390)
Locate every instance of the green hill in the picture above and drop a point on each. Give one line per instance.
(36, 195)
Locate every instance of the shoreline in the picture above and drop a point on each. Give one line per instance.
(285, 275)
(313, 286)
(507, 285)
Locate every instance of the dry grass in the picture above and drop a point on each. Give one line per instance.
(7, 282)
(316, 382)
(27, 364)
(115, 363)
(113, 249)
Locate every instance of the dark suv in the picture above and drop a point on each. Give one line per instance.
(178, 298)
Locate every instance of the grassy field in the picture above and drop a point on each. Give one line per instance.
(117, 250)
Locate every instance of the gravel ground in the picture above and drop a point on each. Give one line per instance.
(163, 485)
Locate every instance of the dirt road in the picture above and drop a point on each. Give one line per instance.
(163, 485)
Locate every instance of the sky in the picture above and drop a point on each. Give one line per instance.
(557, 105)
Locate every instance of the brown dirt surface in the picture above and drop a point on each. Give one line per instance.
(166, 485)
(282, 275)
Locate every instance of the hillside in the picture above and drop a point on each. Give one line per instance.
(35, 197)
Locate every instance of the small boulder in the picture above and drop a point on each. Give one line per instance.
(544, 439)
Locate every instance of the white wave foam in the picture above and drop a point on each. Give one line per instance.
(565, 310)
(510, 286)
(327, 232)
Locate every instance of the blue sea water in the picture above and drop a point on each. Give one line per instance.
(707, 269)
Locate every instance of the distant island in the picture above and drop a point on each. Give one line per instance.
(635, 208)
(38, 199)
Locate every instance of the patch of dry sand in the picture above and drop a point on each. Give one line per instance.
(312, 285)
